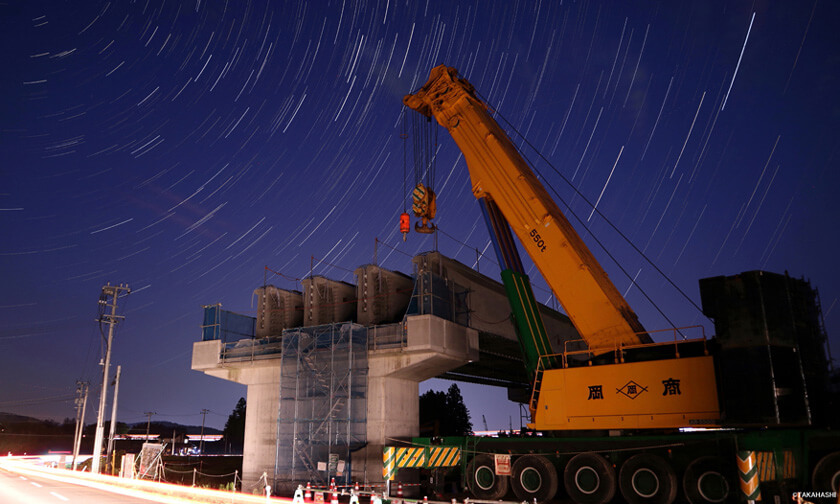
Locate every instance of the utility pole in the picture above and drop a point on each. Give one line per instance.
(148, 423)
(112, 319)
(81, 405)
(201, 443)
(114, 413)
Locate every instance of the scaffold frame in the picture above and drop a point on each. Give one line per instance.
(322, 413)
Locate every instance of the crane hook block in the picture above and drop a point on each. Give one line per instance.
(425, 227)
(423, 202)
(425, 207)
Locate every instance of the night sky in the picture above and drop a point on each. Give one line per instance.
(182, 147)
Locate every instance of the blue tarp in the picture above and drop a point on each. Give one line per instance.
(226, 325)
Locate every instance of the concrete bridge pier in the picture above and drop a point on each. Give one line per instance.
(431, 346)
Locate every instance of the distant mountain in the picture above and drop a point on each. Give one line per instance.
(23, 434)
(17, 419)
(163, 426)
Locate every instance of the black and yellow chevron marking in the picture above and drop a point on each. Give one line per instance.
(748, 475)
(443, 456)
(426, 456)
(411, 457)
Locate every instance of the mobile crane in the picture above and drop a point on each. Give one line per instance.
(608, 417)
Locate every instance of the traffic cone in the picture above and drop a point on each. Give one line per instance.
(307, 495)
(332, 484)
(298, 496)
(356, 487)
(399, 491)
(334, 498)
(425, 500)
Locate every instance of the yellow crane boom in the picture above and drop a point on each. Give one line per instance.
(498, 173)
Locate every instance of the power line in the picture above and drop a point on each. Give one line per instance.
(40, 400)
(604, 217)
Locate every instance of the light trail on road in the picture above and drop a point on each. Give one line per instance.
(17, 489)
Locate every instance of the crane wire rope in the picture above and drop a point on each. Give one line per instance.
(425, 147)
(595, 209)
(404, 136)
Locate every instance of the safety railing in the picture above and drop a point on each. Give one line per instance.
(619, 349)
(252, 348)
(379, 337)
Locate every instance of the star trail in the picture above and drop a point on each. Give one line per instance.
(183, 147)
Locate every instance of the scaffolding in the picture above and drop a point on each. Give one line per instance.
(322, 417)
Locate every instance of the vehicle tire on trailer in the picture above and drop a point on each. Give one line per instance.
(647, 478)
(482, 480)
(533, 477)
(589, 479)
(710, 480)
(826, 475)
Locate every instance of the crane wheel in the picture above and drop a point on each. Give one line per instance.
(589, 479)
(647, 478)
(826, 475)
(710, 480)
(534, 477)
(483, 482)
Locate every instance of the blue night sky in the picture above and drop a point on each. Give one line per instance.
(181, 147)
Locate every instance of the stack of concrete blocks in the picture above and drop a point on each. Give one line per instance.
(277, 309)
(383, 295)
(326, 301)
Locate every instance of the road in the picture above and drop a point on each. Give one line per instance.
(17, 489)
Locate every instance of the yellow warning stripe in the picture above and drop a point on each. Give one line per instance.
(427, 457)
(766, 466)
(446, 456)
(789, 468)
(410, 457)
(389, 467)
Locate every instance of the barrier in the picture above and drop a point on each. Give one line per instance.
(429, 457)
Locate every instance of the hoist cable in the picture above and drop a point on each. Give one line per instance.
(404, 136)
(582, 223)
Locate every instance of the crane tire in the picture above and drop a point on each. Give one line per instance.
(589, 479)
(826, 475)
(533, 477)
(710, 480)
(482, 480)
(647, 478)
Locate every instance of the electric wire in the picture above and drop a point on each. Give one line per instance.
(605, 218)
(40, 400)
